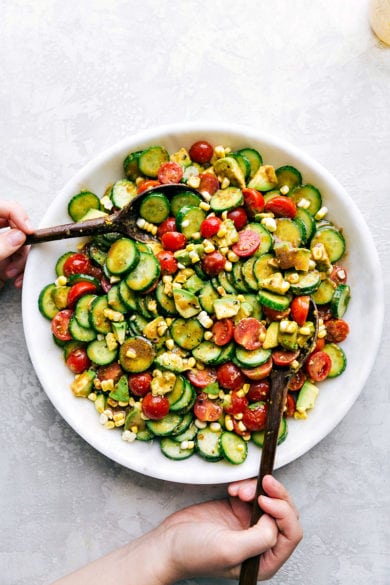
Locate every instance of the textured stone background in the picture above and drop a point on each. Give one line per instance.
(76, 77)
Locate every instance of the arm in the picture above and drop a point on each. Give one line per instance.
(209, 539)
(14, 225)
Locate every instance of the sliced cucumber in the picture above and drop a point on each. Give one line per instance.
(81, 203)
(188, 434)
(288, 176)
(248, 273)
(208, 444)
(233, 447)
(97, 254)
(115, 301)
(338, 359)
(207, 296)
(184, 199)
(122, 192)
(178, 390)
(184, 403)
(136, 355)
(164, 426)
(333, 241)
(308, 221)
(274, 300)
(207, 352)
(311, 194)
(262, 267)
(127, 296)
(186, 303)
(187, 333)
(252, 358)
(82, 310)
(122, 256)
(189, 219)
(253, 157)
(307, 284)
(97, 318)
(99, 353)
(61, 261)
(258, 436)
(144, 274)
(238, 277)
(226, 199)
(324, 292)
(130, 165)
(154, 208)
(242, 162)
(46, 304)
(166, 303)
(265, 237)
(150, 160)
(340, 300)
(173, 450)
(288, 230)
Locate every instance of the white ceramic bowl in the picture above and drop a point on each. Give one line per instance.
(364, 315)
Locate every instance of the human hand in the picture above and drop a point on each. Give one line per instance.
(212, 539)
(14, 225)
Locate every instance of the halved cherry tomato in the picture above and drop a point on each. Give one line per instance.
(201, 152)
(60, 325)
(77, 264)
(173, 241)
(300, 309)
(202, 378)
(167, 261)
(78, 290)
(284, 357)
(230, 376)
(337, 330)
(290, 405)
(170, 172)
(238, 217)
(248, 243)
(208, 183)
(297, 380)
(78, 360)
(260, 372)
(234, 403)
(223, 331)
(258, 391)
(320, 344)
(207, 410)
(318, 366)
(210, 226)
(254, 417)
(110, 372)
(274, 315)
(155, 407)
(339, 274)
(254, 201)
(139, 384)
(147, 184)
(213, 263)
(168, 225)
(281, 206)
(248, 333)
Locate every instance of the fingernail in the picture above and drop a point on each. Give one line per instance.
(15, 238)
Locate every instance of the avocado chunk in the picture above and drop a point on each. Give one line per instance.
(186, 303)
(290, 257)
(272, 336)
(306, 399)
(227, 306)
(228, 167)
(265, 179)
(121, 390)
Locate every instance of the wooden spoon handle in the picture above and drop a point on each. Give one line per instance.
(279, 385)
(70, 230)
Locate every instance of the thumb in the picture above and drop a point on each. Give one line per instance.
(256, 539)
(10, 241)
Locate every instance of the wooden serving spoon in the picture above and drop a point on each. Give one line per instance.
(122, 221)
(280, 378)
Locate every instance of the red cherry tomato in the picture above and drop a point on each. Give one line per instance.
(284, 357)
(254, 201)
(173, 241)
(167, 261)
(213, 263)
(274, 315)
(234, 404)
(155, 407)
(248, 332)
(139, 384)
(202, 378)
(297, 380)
(281, 206)
(320, 344)
(260, 372)
(148, 184)
(168, 225)
(170, 172)
(300, 309)
(110, 372)
(255, 415)
(201, 152)
(238, 217)
(318, 366)
(208, 183)
(337, 330)
(207, 410)
(230, 376)
(258, 391)
(78, 290)
(222, 332)
(248, 242)
(60, 325)
(237, 428)
(210, 226)
(339, 274)
(78, 360)
(77, 264)
(290, 405)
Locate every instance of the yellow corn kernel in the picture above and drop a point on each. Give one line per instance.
(208, 335)
(229, 423)
(205, 206)
(107, 385)
(194, 181)
(284, 190)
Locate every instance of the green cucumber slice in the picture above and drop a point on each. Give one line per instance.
(252, 358)
(164, 426)
(130, 165)
(253, 157)
(150, 160)
(122, 256)
(207, 296)
(288, 176)
(82, 309)
(258, 436)
(46, 304)
(208, 444)
(99, 353)
(333, 241)
(184, 199)
(207, 352)
(97, 318)
(288, 230)
(81, 203)
(154, 208)
(274, 300)
(311, 194)
(173, 450)
(340, 300)
(226, 199)
(338, 359)
(144, 274)
(233, 447)
(122, 192)
(324, 292)
(187, 333)
(307, 284)
(189, 219)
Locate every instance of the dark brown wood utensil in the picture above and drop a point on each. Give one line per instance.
(122, 221)
(280, 378)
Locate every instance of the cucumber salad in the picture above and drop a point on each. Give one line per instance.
(174, 339)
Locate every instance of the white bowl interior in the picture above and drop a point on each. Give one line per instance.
(364, 315)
